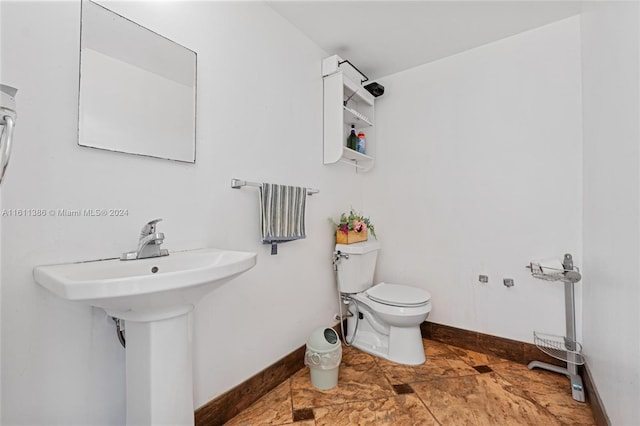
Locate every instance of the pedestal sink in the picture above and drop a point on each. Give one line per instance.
(154, 296)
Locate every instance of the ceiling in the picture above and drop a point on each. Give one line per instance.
(385, 37)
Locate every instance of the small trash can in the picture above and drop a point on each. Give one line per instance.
(323, 356)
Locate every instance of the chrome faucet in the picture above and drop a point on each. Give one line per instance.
(149, 243)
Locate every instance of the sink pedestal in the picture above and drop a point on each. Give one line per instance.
(159, 370)
(154, 297)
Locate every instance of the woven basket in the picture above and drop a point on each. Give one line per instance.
(351, 237)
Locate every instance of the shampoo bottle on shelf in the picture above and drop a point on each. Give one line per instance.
(362, 143)
(352, 140)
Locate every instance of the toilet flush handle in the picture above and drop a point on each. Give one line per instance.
(337, 256)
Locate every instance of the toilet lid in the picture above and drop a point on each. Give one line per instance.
(398, 295)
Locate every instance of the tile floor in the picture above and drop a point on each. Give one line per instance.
(454, 387)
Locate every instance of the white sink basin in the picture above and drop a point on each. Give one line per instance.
(146, 287)
(155, 297)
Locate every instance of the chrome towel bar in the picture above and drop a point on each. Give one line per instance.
(237, 183)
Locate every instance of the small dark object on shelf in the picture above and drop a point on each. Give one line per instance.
(376, 89)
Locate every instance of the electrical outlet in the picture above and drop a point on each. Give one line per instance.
(508, 282)
(483, 279)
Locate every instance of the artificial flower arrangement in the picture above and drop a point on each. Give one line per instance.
(353, 228)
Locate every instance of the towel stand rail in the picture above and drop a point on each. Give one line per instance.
(237, 183)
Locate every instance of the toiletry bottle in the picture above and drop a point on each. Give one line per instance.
(352, 140)
(362, 143)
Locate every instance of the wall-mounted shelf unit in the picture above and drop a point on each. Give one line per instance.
(360, 161)
(346, 102)
(351, 116)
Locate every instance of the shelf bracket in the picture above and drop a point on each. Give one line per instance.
(355, 68)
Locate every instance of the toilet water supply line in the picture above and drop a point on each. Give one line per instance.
(347, 300)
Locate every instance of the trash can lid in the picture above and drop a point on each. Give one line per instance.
(323, 339)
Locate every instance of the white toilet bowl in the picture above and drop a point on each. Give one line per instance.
(386, 322)
(385, 318)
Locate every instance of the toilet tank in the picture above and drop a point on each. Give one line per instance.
(355, 274)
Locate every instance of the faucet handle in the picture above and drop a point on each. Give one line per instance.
(149, 228)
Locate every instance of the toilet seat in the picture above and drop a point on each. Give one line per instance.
(398, 295)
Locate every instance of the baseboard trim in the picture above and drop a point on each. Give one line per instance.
(597, 407)
(220, 410)
(513, 350)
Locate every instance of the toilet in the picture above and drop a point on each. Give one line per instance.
(384, 319)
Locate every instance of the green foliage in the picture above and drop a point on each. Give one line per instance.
(354, 221)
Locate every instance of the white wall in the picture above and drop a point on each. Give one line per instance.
(479, 155)
(611, 81)
(259, 118)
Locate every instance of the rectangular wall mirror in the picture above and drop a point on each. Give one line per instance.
(137, 88)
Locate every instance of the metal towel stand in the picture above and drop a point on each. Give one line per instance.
(564, 348)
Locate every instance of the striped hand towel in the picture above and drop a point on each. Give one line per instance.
(282, 213)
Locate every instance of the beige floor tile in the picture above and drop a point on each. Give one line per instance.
(272, 409)
(353, 356)
(565, 408)
(447, 388)
(474, 358)
(483, 399)
(437, 349)
(435, 367)
(441, 362)
(402, 410)
(550, 390)
(357, 382)
(536, 381)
